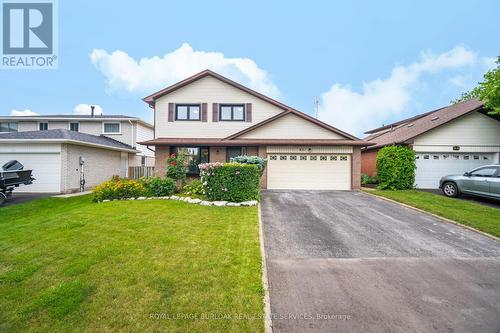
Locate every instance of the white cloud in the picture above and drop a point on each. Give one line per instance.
(147, 75)
(84, 109)
(25, 112)
(489, 62)
(383, 99)
(457, 80)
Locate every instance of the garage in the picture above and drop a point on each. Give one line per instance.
(432, 166)
(44, 160)
(309, 168)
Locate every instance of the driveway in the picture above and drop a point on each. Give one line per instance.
(347, 261)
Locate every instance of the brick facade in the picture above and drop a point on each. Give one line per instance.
(369, 162)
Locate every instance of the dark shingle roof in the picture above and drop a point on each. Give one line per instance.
(401, 132)
(64, 134)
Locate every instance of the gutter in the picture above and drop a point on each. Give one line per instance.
(75, 142)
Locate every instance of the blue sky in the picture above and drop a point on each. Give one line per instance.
(369, 62)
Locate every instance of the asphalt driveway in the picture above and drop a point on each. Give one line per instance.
(347, 261)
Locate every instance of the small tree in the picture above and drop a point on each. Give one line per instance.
(396, 168)
(176, 168)
(487, 91)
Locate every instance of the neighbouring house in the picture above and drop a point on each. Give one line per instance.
(55, 156)
(213, 118)
(450, 140)
(125, 129)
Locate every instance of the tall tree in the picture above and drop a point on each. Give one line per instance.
(487, 91)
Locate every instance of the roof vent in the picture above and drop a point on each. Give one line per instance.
(434, 118)
(411, 125)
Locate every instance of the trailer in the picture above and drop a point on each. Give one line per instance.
(13, 175)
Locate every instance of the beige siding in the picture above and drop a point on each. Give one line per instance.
(209, 90)
(24, 126)
(291, 127)
(474, 129)
(100, 165)
(144, 133)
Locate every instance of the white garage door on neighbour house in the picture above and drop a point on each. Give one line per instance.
(309, 171)
(45, 163)
(432, 166)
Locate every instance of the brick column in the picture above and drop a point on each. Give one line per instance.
(263, 153)
(356, 168)
(218, 154)
(161, 154)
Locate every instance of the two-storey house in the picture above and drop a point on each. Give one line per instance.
(64, 150)
(214, 118)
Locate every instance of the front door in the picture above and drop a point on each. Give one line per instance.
(234, 152)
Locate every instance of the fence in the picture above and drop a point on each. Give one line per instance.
(140, 171)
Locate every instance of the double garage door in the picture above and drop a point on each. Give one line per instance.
(309, 171)
(432, 166)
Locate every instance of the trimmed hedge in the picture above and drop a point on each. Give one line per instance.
(233, 182)
(258, 161)
(396, 168)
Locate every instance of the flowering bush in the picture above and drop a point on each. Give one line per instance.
(230, 181)
(176, 167)
(159, 186)
(117, 188)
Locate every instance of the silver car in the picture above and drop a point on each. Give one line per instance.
(483, 181)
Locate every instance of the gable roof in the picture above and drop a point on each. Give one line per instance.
(405, 130)
(64, 135)
(151, 99)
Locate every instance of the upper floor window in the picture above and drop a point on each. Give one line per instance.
(111, 128)
(74, 127)
(43, 126)
(8, 127)
(187, 112)
(232, 112)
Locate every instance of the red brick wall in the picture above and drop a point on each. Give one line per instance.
(161, 154)
(356, 168)
(369, 162)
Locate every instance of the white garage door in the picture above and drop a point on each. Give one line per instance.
(46, 170)
(309, 171)
(432, 166)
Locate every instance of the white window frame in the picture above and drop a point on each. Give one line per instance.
(43, 122)
(112, 122)
(74, 122)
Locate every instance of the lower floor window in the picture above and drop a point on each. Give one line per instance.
(194, 156)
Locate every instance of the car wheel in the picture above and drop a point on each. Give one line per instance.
(450, 190)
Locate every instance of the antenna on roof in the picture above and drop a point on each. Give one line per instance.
(92, 107)
(316, 106)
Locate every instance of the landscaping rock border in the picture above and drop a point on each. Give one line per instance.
(194, 201)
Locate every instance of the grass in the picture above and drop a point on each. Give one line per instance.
(471, 214)
(155, 265)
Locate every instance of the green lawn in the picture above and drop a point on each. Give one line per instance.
(73, 265)
(474, 215)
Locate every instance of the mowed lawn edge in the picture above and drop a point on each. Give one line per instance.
(480, 217)
(157, 265)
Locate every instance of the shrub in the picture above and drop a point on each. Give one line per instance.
(396, 168)
(176, 167)
(230, 181)
(258, 161)
(119, 189)
(194, 188)
(159, 186)
(365, 179)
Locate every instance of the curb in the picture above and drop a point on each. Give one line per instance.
(434, 215)
(268, 325)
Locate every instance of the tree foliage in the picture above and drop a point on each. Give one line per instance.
(487, 91)
(396, 168)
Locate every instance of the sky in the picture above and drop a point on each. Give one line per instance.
(368, 62)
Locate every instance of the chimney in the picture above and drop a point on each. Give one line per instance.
(92, 111)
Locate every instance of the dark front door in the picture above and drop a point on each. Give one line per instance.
(235, 151)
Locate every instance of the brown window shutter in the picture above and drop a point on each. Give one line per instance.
(204, 112)
(171, 108)
(215, 112)
(248, 109)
